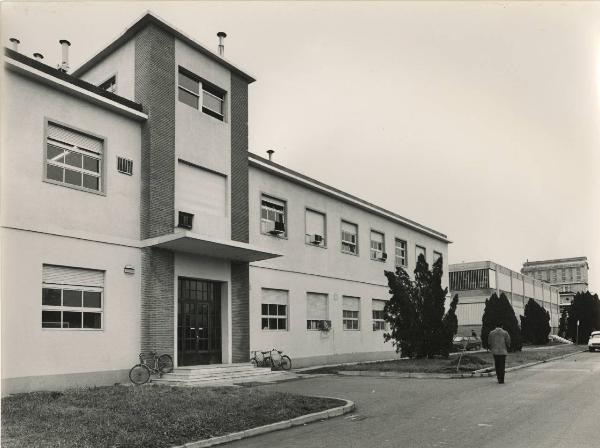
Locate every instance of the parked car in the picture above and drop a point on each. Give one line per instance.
(594, 342)
(460, 343)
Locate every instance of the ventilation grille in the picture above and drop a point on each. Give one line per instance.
(125, 166)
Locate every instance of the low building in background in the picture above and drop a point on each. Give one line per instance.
(475, 282)
(569, 275)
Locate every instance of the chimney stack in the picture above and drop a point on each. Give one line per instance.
(270, 152)
(221, 35)
(38, 56)
(15, 43)
(64, 65)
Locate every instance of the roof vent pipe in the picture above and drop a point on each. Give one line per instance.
(64, 65)
(221, 35)
(270, 152)
(38, 56)
(15, 43)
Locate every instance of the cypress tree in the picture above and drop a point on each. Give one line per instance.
(499, 310)
(584, 308)
(562, 323)
(415, 312)
(535, 323)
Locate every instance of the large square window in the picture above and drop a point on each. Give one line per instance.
(315, 228)
(274, 314)
(349, 238)
(72, 298)
(73, 158)
(213, 98)
(378, 246)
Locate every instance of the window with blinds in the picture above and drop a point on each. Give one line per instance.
(472, 279)
(400, 259)
(351, 313)
(273, 216)
(377, 245)
(315, 228)
(349, 238)
(377, 309)
(274, 306)
(72, 298)
(73, 158)
(317, 310)
(420, 250)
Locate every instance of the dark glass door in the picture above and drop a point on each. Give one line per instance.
(198, 322)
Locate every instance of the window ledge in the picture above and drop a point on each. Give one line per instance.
(349, 253)
(74, 187)
(315, 245)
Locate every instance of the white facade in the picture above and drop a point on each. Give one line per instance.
(93, 271)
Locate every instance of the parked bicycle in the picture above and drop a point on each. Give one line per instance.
(279, 360)
(157, 365)
(261, 359)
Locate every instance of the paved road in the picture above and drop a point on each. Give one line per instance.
(550, 405)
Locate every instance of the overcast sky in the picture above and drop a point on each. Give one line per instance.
(480, 120)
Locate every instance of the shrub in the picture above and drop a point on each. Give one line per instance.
(584, 308)
(535, 323)
(499, 310)
(415, 312)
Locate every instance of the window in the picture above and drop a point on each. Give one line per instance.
(109, 85)
(72, 298)
(315, 229)
(213, 98)
(578, 273)
(349, 238)
(273, 216)
(564, 274)
(377, 246)
(350, 313)
(420, 250)
(436, 256)
(316, 310)
(124, 165)
(274, 309)
(73, 158)
(378, 322)
(554, 275)
(201, 191)
(472, 279)
(400, 253)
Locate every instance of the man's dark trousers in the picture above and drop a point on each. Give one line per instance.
(500, 363)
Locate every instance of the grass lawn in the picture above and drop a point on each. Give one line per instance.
(147, 416)
(468, 363)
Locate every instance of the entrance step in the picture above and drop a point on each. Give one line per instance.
(222, 374)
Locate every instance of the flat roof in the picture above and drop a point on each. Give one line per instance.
(45, 68)
(292, 175)
(556, 260)
(147, 19)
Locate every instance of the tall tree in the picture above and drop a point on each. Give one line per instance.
(562, 323)
(585, 309)
(498, 310)
(415, 312)
(535, 323)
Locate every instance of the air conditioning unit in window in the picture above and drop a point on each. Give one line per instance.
(324, 325)
(278, 229)
(316, 239)
(383, 256)
(186, 220)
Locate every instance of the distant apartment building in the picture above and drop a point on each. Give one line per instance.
(569, 275)
(135, 219)
(475, 282)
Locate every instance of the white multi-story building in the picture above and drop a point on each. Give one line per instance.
(475, 282)
(134, 219)
(569, 275)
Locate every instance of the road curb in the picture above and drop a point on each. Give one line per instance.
(476, 374)
(284, 424)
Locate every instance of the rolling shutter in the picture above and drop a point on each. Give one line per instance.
(74, 138)
(274, 296)
(378, 305)
(351, 303)
(63, 275)
(316, 306)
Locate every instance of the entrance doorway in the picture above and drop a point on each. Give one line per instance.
(198, 322)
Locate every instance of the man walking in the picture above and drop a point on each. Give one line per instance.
(499, 342)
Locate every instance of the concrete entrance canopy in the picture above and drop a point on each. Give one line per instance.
(194, 243)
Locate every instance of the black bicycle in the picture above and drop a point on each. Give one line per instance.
(279, 360)
(261, 359)
(153, 364)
